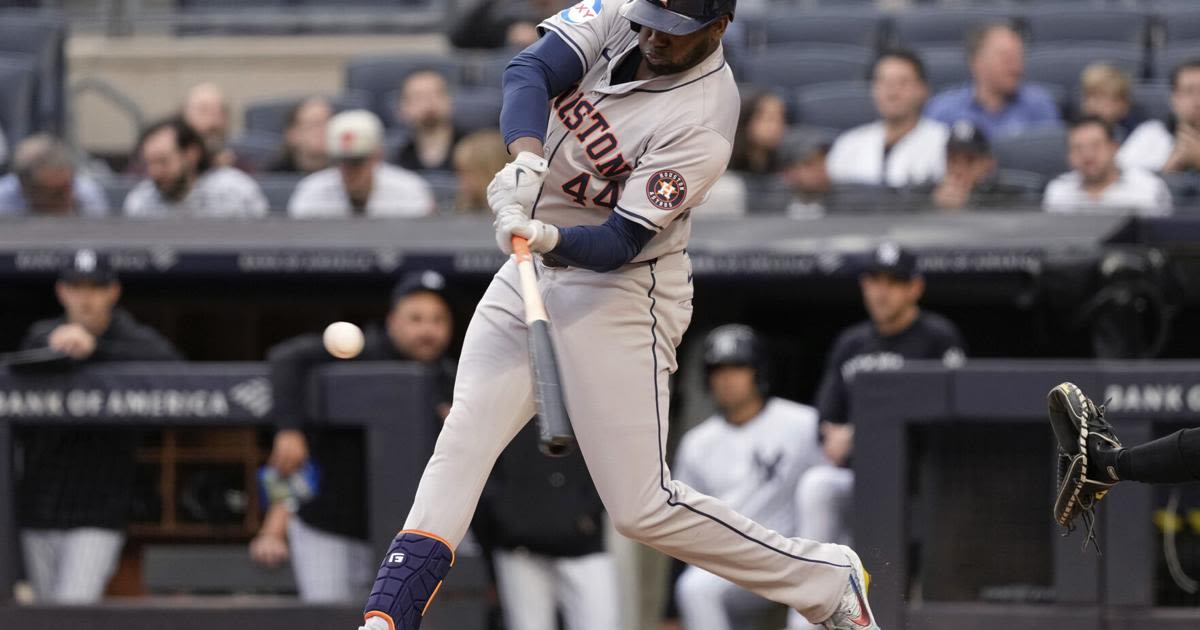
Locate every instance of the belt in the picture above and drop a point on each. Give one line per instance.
(552, 261)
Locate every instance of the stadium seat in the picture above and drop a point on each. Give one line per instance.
(1041, 151)
(18, 75)
(788, 67)
(1029, 183)
(270, 116)
(1061, 64)
(115, 190)
(380, 76)
(278, 189)
(487, 70)
(1088, 24)
(445, 188)
(1180, 24)
(1171, 56)
(43, 39)
(940, 26)
(819, 27)
(256, 150)
(474, 108)
(1154, 99)
(945, 66)
(839, 105)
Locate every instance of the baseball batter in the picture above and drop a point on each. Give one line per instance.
(641, 109)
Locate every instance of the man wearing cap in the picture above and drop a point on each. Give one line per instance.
(327, 534)
(75, 491)
(182, 180)
(897, 330)
(621, 117)
(902, 148)
(971, 177)
(361, 183)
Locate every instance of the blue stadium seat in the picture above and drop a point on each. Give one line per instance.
(839, 105)
(1029, 183)
(380, 76)
(445, 187)
(278, 190)
(42, 38)
(487, 70)
(1180, 24)
(18, 75)
(940, 26)
(819, 27)
(270, 116)
(1154, 99)
(946, 66)
(788, 67)
(1042, 151)
(1061, 64)
(256, 150)
(1171, 56)
(1088, 24)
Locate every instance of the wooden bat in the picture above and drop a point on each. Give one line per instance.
(556, 437)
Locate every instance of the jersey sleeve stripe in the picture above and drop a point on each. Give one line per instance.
(633, 216)
(570, 42)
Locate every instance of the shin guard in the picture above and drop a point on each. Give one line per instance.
(411, 574)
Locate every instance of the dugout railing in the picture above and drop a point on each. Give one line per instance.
(911, 421)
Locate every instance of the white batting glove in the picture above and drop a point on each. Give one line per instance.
(517, 183)
(374, 623)
(511, 220)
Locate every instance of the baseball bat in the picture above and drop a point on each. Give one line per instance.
(556, 438)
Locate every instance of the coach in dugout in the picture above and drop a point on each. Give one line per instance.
(75, 489)
(327, 534)
(898, 330)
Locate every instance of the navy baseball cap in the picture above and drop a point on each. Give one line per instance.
(429, 281)
(676, 17)
(88, 266)
(892, 259)
(967, 138)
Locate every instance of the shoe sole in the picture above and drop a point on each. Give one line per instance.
(864, 577)
(1070, 400)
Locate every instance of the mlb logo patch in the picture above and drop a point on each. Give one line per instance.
(585, 11)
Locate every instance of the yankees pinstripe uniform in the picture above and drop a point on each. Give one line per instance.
(627, 153)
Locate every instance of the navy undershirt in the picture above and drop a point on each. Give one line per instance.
(542, 71)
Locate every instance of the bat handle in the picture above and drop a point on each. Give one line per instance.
(535, 310)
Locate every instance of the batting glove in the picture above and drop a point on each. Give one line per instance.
(374, 623)
(517, 183)
(512, 220)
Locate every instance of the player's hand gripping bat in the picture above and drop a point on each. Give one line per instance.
(557, 439)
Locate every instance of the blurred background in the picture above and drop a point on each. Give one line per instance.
(935, 212)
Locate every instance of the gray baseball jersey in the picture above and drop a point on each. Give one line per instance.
(648, 150)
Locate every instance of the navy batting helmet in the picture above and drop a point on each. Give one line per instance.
(736, 344)
(676, 17)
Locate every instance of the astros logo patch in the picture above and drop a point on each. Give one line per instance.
(666, 189)
(585, 11)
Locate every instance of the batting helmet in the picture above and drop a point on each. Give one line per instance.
(736, 344)
(676, 17)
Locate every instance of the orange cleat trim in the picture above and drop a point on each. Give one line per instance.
(418, 532)
(382, 615)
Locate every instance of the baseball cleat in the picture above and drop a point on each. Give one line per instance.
(853, 611)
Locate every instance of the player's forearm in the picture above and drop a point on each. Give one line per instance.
(601, 247)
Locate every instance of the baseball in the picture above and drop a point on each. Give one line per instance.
(343, 340)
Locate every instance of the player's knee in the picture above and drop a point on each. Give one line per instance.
(637, 523)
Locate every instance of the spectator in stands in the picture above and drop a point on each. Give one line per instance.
(803, 156)
(327, 535)
(182, 181)
(77, 482)
(971, 180)
(361, 184)
(477, 159)
(206, 109)
(902, 148)
(3, 148)
(304, 138)
(45, 182)
(424, 107)
(1173, 146)
(510, 24)
(764, 445)
(898, 330)
(996, 101)
(761, 127)
(1107, 93)
(1096, 183)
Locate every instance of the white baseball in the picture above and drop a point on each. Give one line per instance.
(343, 340)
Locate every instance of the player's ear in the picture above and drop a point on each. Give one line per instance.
(718, 28)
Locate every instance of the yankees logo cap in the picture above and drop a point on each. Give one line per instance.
(676, 17)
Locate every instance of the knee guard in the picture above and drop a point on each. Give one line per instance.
(409, 578)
